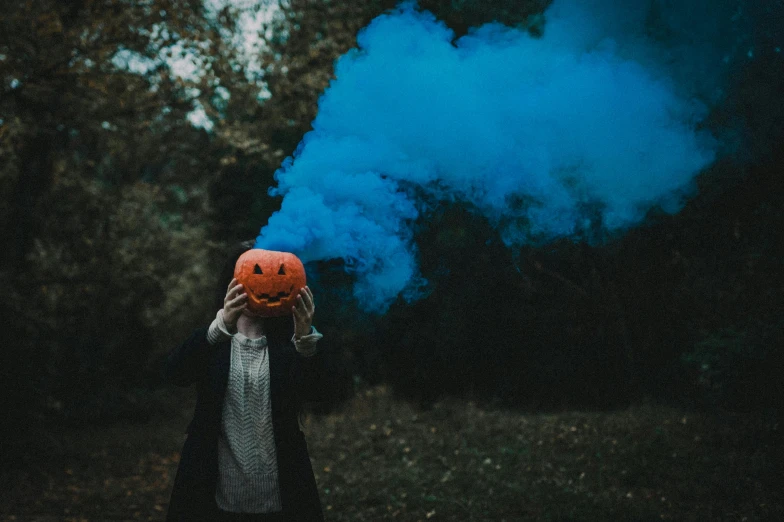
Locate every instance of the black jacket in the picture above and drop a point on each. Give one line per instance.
(293, 379)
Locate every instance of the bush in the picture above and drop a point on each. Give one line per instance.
(112, 281)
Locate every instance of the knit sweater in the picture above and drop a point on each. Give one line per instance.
(247, 458)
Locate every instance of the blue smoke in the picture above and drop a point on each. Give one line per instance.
(546, 137)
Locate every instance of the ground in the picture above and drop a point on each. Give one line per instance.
(381, 458)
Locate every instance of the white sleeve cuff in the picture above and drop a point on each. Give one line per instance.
(218, 331)
(306, 345)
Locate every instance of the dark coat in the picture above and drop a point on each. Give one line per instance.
(293, 379)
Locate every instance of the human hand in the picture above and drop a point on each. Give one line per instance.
(303, 312)
(235, 302)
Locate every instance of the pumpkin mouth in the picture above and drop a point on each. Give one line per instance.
(273, 299)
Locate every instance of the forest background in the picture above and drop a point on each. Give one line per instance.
(124, 178)
(119, 199)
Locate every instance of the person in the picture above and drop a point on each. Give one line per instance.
(245, 456)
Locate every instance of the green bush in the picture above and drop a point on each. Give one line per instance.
(112, 281)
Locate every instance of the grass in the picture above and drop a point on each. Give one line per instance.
(380, 458)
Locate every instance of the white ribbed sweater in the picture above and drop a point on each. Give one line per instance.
(247, 457)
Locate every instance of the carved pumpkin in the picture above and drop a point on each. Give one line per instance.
(271, 279)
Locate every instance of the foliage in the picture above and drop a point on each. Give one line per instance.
(597, 325)
(113, 204)
(107, 289)
(104, 256)
(114, 207)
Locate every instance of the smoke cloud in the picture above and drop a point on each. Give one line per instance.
(586, 128)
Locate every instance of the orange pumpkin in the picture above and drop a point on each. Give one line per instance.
(271, 279)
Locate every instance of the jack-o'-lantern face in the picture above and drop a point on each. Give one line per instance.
(271, 279)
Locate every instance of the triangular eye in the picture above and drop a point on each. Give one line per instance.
(281, 271)
(257, 270)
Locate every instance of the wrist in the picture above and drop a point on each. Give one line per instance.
(298, 334)
(229, 324)
(306, 345)
(218, 330)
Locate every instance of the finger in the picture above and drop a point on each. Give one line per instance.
(236, 290)
(300, 305)
(307, 298)
(232, 283)
(310, 293)
(243, 297)
(237, 311)
(232, 294)
(234, 312)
